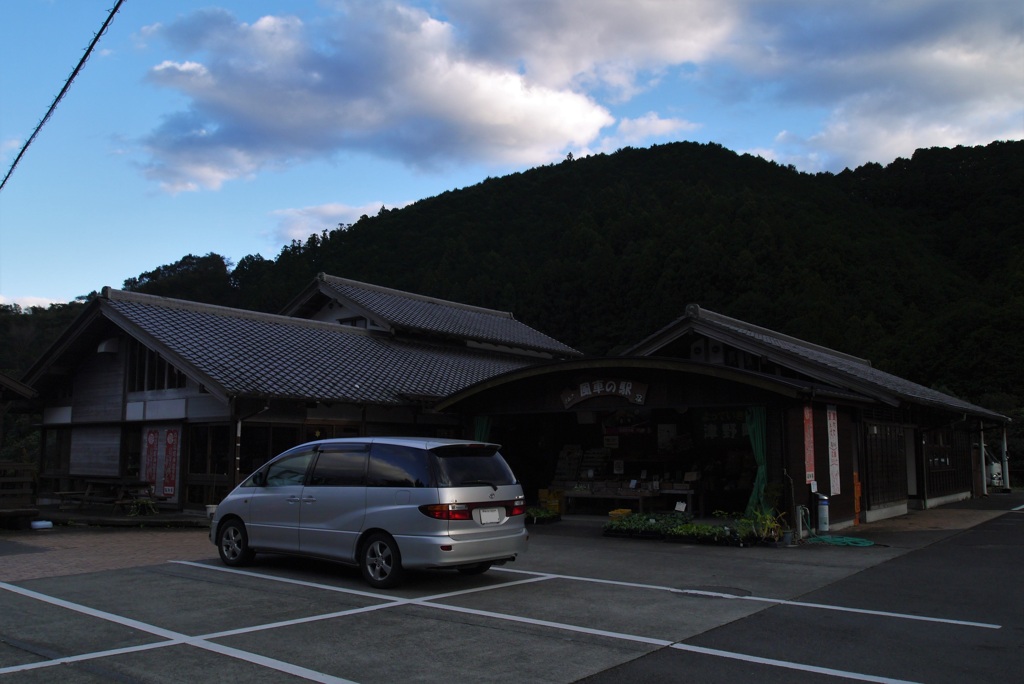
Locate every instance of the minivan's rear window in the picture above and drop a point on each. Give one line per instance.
(470, 465)
(394, 465)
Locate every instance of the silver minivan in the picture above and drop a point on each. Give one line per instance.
(386, 504)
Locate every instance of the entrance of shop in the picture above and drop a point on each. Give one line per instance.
(654, 459)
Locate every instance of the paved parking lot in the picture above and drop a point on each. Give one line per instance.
(155, 605)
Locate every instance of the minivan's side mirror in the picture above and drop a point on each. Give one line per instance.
(259, 478)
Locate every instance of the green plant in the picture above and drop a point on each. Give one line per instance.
(765, 525)
(647, 524)
(539, 513)
(702, 532)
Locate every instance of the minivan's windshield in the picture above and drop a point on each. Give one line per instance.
(471, 465)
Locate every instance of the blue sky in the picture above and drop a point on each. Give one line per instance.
(237, 126)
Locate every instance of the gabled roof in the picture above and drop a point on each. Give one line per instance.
(408, 314)
(828, 366)
(233, 352)
(11, 389)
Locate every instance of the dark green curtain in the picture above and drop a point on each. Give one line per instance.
(482, 428)
(756, 428)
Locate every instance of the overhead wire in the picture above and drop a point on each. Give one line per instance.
(63, 91)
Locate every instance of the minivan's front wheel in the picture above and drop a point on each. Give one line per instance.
(233, 544)
(380, 561)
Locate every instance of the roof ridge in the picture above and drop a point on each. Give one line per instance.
(200, 307)
(336, 280)
(697, 313)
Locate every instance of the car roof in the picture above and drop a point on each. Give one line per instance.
(418, 442)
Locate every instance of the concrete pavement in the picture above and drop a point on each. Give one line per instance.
(155, 605)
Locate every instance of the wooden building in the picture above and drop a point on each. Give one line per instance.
(734, 415)
(710, 410)
(192, 397)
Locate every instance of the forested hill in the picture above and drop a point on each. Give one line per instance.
(918, 265)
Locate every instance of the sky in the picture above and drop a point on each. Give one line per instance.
(238, 126)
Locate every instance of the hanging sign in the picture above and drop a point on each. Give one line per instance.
(833, 449)
(809, 444)
(170, 463)
(151, 464)
(633, 392)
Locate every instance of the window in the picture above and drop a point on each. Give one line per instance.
(290, 470)
(399, 466)
(147, 370)
(472, 465)
(345, 467)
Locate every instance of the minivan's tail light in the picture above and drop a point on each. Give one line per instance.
(447, 511)
(454, 511)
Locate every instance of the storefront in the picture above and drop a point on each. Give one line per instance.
(644, 433)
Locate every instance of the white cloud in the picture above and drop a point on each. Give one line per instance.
(598, 43)
(651, 126)
(27, 302)
(386, 79)
(505, 85)
(300, 223)
(889, 77)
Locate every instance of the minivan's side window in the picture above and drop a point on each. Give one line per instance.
(392, 465)
(340, 467)
(290, 470)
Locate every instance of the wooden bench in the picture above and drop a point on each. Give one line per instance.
(16, 492)
(70, 499)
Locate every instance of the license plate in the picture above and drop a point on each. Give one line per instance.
(490, 516)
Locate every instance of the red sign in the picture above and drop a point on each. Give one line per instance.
(170, 462)
(809, 443)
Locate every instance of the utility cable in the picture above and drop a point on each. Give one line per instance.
(63, 91)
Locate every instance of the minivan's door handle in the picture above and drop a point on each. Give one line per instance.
(309, 499)
(292, 499)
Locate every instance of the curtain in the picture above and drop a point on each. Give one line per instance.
(756, 428)
(482, 428)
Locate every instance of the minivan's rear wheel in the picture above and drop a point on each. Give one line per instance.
(475, 569)
(233, 544)
(380, 561)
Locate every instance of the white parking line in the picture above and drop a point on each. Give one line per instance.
(788, 665)
(388, 601)
(763, 599)
(170, 637)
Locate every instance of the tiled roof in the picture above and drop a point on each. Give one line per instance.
(254, 354)
(827, 365)
(407, 312)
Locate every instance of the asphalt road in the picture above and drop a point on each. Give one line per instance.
(938, 599)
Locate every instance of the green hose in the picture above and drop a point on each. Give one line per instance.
(813, 538)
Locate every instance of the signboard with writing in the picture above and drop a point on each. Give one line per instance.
(160, 459)
(833, 449)
(152, 455)
(170, 463)
(633, 392)
(723, 425)
(809, 443)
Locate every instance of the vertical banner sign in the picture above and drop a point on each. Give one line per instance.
(170, 463)
(152, 451)
(809, 443)
(833, 449)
